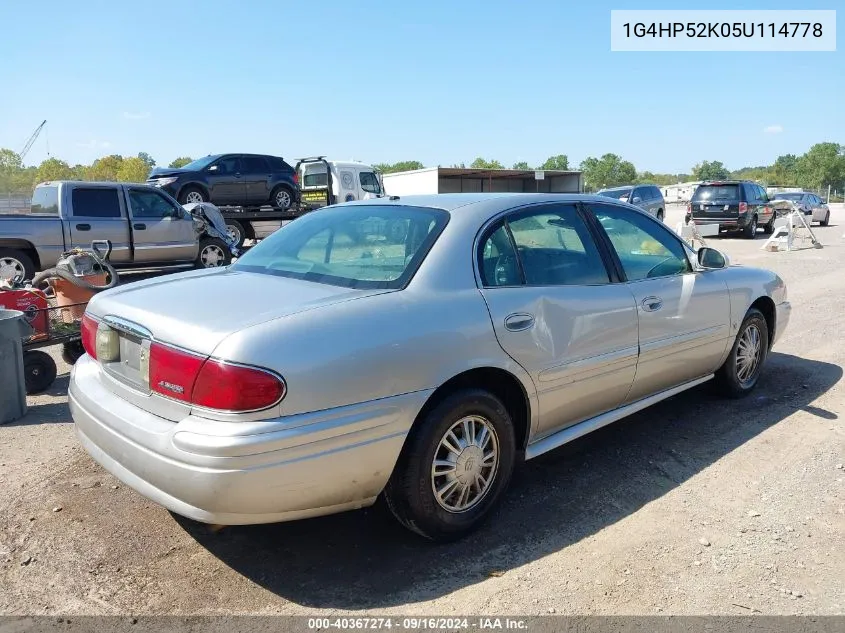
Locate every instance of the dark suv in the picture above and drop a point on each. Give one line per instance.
(733, 205)
(231, 180)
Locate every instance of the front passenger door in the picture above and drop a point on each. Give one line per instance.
(161, 229)
(683, 315)
(225, 181)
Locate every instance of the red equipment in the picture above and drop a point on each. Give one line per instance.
(33, 303)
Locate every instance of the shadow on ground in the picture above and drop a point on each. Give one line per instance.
(364, 560)
(47, 412)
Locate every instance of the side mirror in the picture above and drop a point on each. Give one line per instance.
(710, 258)
(636, 200)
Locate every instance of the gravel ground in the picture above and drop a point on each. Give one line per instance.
(695, 506)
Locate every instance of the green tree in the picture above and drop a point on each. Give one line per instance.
(149, 161)
(180, 162)
(785, 170)
(710, 170)
(53, 169)
(133, 170)
(561, 161)
(481, 163)
(521, 165)
(823, 165)
(9, 161)
(608, 171)
(106, 168)
(80, 172)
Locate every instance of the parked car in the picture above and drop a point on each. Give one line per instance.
(231, 180)
(807, 203)
(735, 205)
(501, 325)
(647, 197)
(146, 227)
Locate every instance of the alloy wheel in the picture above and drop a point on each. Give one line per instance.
(193, 196)
(748, 354)
(283, 199)
(465, 464)
(212, 256)
(10, 268)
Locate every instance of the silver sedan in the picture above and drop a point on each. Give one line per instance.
(409, 348)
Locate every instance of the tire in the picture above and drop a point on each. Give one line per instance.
(213, 253)
(14, 263)
(191, 194)
(72, 351)
(236, 230)
(769, 228)
(660, 215)
(39, 370)
(826, 220)
(281, 197)
(410, 493)
(750, 231)
(729, 378)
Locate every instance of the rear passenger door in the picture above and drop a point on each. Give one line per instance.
(97, 213)
(555, 312)
(162, 231)
(765, 211)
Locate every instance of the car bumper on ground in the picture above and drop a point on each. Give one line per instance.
(234, 473)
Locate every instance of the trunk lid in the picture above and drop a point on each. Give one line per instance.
(198, 309)
(716, 202)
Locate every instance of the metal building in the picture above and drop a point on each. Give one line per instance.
(470, 180)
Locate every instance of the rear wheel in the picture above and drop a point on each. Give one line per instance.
(769, 228)
(826, 220)
(39, 371)
(213, 253)
(738, 375)
(236, 232)
(281, 198)
(455, 466)
(750, 231)
(15, 264)
(660, 214)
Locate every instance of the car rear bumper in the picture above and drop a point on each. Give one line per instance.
(724, 223)
(233, 473)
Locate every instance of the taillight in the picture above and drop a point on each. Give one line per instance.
(295, 178)
(689, 207)
(173, 372)
(743, 207)
(236, 388)
(211, 383)
(89, 336)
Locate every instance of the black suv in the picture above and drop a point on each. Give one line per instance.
(733, 205)
(231, 180)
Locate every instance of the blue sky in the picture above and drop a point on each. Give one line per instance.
(436, 81)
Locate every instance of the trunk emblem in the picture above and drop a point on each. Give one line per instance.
(171, 387)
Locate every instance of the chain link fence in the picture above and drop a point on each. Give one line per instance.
(15, 201)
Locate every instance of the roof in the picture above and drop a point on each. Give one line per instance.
(452, 201)
(497, 174)
(99, 183)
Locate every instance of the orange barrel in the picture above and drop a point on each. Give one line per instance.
(71, 299)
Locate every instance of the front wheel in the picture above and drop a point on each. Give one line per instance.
(213, 253)
(455, 466)
(190, 195)
(738, 376)
(769, 228)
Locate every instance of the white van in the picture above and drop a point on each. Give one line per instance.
(325, 182)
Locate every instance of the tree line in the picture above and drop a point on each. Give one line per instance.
(821, 166)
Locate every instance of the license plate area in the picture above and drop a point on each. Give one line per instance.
(132, 367)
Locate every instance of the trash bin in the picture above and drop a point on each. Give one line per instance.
(13, 329)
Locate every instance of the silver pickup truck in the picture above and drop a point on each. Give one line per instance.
(146, 228)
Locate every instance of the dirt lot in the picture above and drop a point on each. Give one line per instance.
(695, 506)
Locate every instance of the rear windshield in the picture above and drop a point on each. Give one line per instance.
(619, 194)
(706, 193)
(45, 200)
(357, 246)
(788, 196)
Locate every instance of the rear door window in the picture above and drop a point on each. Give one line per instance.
(253, 165)
(95, 202)
(655, 193)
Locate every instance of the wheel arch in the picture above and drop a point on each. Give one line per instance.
(24, 246)
(195, 185)
(766, 306)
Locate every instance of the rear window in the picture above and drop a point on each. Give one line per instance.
(715, 193)
(278, 164)
(315, 177)
(618, 194)
(97, 202)
(788, 196)
(45, 200)
(360, 246)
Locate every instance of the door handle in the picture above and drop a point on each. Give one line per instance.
(652, 304)
(83, 227)
(139, 227)
(519, 321)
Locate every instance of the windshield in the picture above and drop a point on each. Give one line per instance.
(788, 196)
(356, 246)
(716, 192)
(201, 163)
(619, 194)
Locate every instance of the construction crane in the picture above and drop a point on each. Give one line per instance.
(31, 140)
